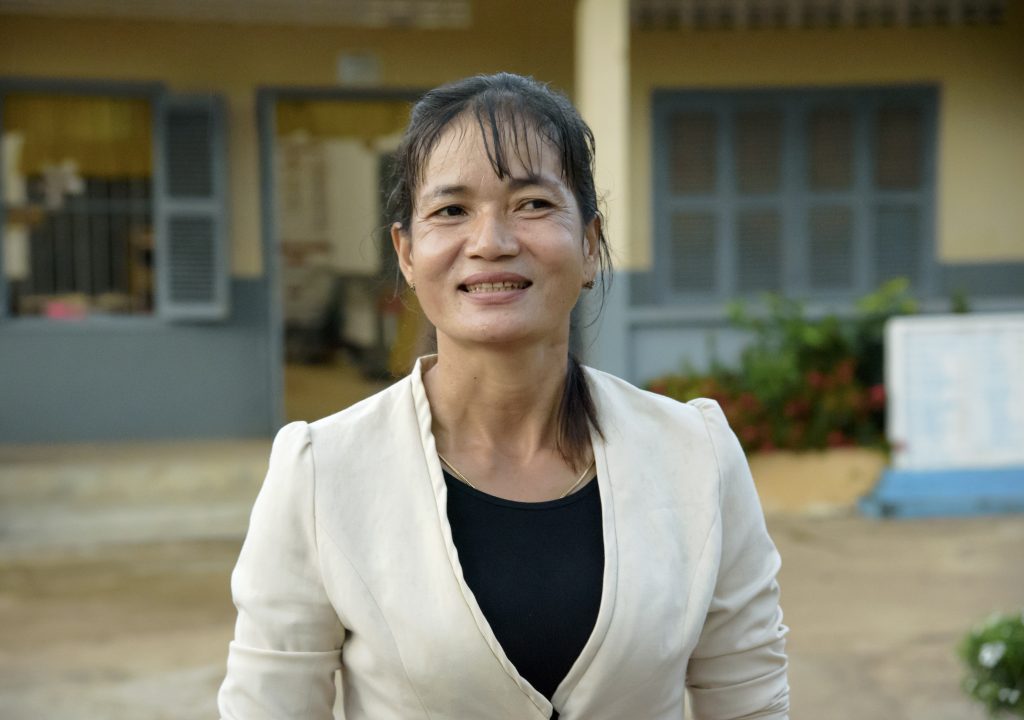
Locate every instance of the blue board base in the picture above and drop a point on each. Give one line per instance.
(946, 493)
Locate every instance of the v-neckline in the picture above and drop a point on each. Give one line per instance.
(609, 578)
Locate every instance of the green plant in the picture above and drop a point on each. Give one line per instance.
(993, 654)
(958, 302)
(872, 311)
(802, 382)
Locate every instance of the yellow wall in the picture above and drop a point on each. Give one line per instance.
(979, 72)
(525, 36)
(106, 136)
(363, 119)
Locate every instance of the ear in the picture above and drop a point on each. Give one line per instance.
(402, 243)
(592, 248)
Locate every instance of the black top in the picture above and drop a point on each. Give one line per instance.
(536, 570)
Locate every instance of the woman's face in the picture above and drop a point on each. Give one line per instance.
(497, 261)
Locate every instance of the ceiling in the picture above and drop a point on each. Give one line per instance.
(421, 14)
(429, 14)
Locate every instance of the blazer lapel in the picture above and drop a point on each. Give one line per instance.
(609, 586)
(540, 703)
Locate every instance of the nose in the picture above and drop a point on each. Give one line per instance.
(491, 237)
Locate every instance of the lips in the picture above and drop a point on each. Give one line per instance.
(494, 283)
(494, 287)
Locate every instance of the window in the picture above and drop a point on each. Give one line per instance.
(79, 235)
(112, 203)
(810, 193)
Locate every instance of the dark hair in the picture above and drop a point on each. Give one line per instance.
(510, 111)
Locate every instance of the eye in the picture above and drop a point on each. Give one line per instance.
(449, 211)
(537, 204)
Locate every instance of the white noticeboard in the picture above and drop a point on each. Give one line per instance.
(955, 386)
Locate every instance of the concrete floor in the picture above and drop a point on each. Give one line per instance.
(138, 631)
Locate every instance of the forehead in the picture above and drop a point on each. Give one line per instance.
(515, 150)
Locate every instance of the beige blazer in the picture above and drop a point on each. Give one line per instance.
(349, 564)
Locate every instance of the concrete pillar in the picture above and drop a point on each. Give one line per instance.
(602, 96)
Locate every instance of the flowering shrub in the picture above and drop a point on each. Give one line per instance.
(994, 656)
(802, 383)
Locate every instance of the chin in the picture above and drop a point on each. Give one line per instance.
(508, 336)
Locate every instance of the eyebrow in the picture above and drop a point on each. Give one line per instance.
(516, 183)
(445, 191)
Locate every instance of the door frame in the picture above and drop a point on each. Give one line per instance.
(266, 101)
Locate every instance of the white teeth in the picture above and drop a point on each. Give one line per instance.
(495, 287)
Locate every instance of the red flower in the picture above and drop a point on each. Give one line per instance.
(837, 438)
(749, 434)
(797, 434)
(844, 370)
(876, 396)
(797, 407)
(815, 379)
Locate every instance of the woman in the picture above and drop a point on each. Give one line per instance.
(504, 534)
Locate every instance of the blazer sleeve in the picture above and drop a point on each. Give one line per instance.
(738, 669)
(288, 638)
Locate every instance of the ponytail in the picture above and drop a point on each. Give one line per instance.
(577, 414)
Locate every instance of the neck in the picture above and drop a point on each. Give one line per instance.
(500, 401)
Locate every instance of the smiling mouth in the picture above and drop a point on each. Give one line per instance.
(495, 287)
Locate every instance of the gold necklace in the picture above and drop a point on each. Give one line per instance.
(463, 478)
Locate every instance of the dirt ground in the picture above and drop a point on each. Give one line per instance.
(139, 632)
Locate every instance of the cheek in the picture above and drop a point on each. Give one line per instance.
(434, 262)
(429, 252)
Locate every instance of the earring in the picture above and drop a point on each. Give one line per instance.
(412, 286)
(589, 284)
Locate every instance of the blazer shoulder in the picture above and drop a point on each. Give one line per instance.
(290, 437)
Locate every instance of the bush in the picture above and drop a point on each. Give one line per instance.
(994, 656)
(802, 383)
